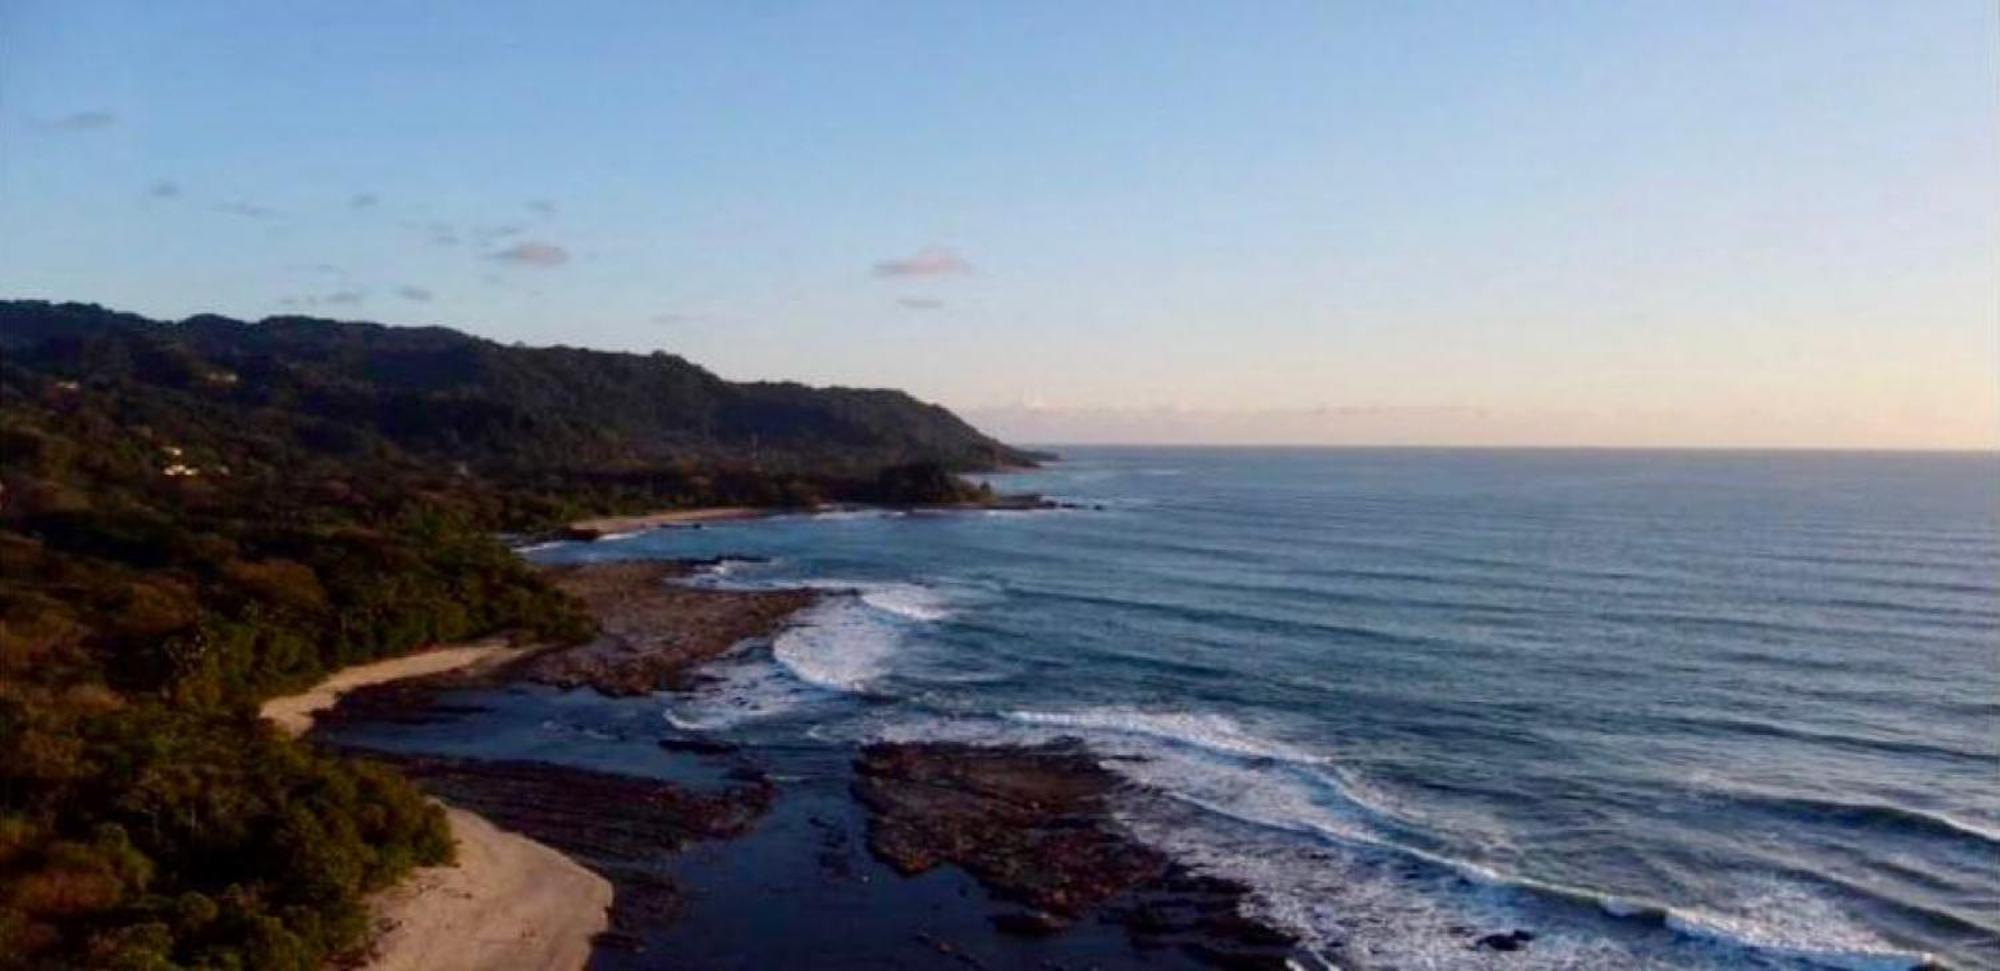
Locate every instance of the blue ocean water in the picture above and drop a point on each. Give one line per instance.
(1663, 709)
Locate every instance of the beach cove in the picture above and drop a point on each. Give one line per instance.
(1018, 857)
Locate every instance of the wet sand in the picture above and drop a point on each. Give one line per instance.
(295, 713)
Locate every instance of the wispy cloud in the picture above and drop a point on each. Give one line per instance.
(363, 200)
(164, 189)
(338, 298)
(532, 253)
(76, 121)
(921, 303)
(248, 210)
(418, 294)
(489, 235)
(931, 261)
(542, 207)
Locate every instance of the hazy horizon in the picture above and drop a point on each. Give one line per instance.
(1538, 225)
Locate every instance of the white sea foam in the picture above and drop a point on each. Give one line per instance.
(840, 645)
(1781, 918)
(729, 566)
(907, 600)
(744, 690)
(1327, 856)
(837, 647)
(1365, 896)
(1216, 733)
(848, 515)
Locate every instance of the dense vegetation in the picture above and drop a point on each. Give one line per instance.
(499, 409)
(197, 516)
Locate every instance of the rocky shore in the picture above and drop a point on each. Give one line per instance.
(606, 527)
(655, 634)
(1055, 876)
(1034, 825)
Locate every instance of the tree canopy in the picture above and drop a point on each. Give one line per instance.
(196, 516)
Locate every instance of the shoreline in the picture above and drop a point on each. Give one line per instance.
(505, 901)
(596, 528)
(297, 713)
(654, 632)
(688, 828)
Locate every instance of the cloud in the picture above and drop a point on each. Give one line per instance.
(671, 319)
(248, 210)
(929, 261)
(437, 231)
(77, 121)
(489, 235)
(921, 303)
(338, 298)
(532, 253)
(419, 294)
(164, 189)
(363, 200)
(542, 207)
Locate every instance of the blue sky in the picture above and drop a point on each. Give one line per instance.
(1669, 223)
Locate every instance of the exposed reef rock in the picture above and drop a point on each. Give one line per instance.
(1033, 824)
(653, 634)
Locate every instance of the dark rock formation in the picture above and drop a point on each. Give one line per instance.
(1033, 825)
(653, 633)
(1506, 941)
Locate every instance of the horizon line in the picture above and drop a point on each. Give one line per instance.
(1360, 447)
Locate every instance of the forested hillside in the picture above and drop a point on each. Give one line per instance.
(196, 516)
(441, 394)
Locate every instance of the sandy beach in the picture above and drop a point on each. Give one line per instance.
(507, 902)
(612, 525)
(734, 856)
(294, 713)
(604, 526)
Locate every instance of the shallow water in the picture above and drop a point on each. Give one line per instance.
(1663, 709)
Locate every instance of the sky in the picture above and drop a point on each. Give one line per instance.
(1685, 223)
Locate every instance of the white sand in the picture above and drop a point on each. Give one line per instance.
(294, 713)
(508, 902)
(611, 525)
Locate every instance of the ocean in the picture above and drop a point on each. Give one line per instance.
(1662, 709)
